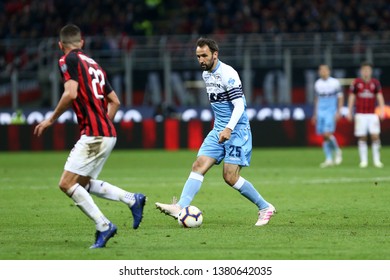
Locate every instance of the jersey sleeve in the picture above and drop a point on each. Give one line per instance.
(353, 88)
(316, 88)
(233, 85)
(68, 67)
(107, 88)
(338, 88)
(378, 87)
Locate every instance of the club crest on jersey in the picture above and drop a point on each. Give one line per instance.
(218, 77)
(231, 81)
(213, 96)
(64, 68)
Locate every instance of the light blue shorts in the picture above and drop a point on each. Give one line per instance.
(326, 123)
(236, 150)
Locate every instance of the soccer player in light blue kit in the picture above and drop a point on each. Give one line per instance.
(230, 139)
(327, 106)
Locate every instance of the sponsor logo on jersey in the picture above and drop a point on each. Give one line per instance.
(366, 94)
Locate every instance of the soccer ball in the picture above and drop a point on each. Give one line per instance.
(190, 217)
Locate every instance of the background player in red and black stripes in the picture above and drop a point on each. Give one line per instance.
(366, 93)
(87, 90)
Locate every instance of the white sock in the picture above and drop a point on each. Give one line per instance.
(363, 151)
(376, 145)
(108, 191)
(85, 202)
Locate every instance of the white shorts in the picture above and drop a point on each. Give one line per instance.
(367, 123)
(89, 154)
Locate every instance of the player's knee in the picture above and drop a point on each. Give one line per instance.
(196, 166)
(230, 178)
(64, 185)
(375, 137)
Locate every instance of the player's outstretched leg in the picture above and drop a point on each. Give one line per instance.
(172, 209)
(135, 201)
(190, 189)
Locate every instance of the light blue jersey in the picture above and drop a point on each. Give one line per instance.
(223, 86)
(328, 91)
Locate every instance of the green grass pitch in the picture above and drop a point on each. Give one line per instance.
(335, 213)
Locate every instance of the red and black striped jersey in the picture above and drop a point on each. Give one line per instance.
(90, 105)
(366, 94)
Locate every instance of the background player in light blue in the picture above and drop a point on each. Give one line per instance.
(327, 105)
(230, 139)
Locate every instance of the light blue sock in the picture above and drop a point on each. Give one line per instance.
(190, 189)
(248, 190)
(333, 143)
(326, 145)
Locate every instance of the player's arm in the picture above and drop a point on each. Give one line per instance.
(351, 103)
(340, 104)
(70, 94)
(238, 110)
(351, 100)
(113, 104)
(381, 104)
(314, 117)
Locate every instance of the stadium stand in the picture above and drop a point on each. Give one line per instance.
(122, 24)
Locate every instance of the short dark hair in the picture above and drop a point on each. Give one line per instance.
(324, 65)
(213, 46)
(366, 63)
(70, 34)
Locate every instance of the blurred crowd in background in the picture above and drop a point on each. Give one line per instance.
(120, 23)
(43, 18)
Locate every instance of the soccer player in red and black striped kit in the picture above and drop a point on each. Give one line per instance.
(87, 90)
(366, 92)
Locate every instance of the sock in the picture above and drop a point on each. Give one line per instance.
(326, 146)
(190, 189)
(333, 143)
(84, 201)
(362, 145)
(248, 190)
(376, 145)
(108, 191)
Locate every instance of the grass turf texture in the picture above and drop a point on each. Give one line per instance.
(335, 213)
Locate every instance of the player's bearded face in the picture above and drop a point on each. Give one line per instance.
(206, 59)
(207, 64)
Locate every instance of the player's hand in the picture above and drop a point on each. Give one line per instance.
(314, 120)
(40, 128)
(350, 117)
(224, 135)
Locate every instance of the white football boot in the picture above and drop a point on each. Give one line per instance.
(363, 164)
(172, 210)
(326, 163)
(265, 215)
